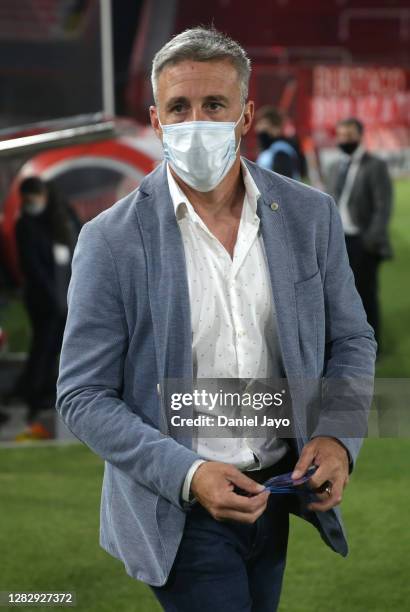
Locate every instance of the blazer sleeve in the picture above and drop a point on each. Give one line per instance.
(380, 185)
(347, 385)
(91, 375)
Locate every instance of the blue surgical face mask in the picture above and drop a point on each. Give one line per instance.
(201, 152)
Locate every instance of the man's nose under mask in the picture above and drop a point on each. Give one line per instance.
(201, 152)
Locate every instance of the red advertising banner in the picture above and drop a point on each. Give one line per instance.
(379, 96)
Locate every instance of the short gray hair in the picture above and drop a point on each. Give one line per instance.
(202, 45)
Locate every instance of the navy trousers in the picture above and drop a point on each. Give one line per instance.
(365, 268)
(226, 566)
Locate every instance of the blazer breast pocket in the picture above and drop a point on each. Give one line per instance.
(311, 323)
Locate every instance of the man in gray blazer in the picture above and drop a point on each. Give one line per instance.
(362, 188)
(213, 268)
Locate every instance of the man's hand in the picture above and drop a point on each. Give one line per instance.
(332, 460)
(213, 486)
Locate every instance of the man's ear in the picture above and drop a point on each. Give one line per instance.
(248, 116)
(153, 115)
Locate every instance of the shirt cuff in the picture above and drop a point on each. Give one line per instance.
(186, 487)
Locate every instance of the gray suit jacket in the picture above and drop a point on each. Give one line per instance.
(370, 203)
(128, 329)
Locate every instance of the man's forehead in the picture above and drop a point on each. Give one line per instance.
(347, 130)
(203, 78)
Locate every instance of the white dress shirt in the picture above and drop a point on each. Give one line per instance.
(349, 227)
(233, 319)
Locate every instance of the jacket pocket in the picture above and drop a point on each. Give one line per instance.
(311, 323)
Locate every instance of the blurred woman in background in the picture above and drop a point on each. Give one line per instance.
(46, 233)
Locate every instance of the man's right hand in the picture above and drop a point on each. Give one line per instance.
(213, 486)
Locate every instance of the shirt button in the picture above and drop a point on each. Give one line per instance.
(274, 206)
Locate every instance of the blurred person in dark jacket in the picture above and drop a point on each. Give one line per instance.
(361, 185)
(277, 152)
(45, 237)
(6, 283)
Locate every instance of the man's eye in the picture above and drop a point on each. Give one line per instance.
(178, 108)
(214, 106)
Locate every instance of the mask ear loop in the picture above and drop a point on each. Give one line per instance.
(241, 115)
(240, 138)
(159, 121)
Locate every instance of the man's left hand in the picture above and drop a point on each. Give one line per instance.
(332, 460)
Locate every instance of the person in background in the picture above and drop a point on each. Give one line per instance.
(361, 185)
(6, 282)
(277, 152)
(6, 278)
(45, 239)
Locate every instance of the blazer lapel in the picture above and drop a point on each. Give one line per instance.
(167, 279)
(281, 276)
(273, 228)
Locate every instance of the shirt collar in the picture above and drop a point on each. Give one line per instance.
(358, 154)
(252, 192)
(179, 199)
(182, 204)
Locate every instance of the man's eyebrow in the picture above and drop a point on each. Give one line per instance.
(216, 98)
(177, 100)
(182, 100)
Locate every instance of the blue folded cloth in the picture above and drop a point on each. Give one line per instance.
(284, 483)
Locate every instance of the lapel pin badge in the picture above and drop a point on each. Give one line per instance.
(274, 206)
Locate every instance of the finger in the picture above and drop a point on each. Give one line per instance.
(320, 498)
(244, 482)
(328, 470)
(322, 474)
(325, 504)
(325, 501)
(246, 505)
(242, 517)
(304, 462)
(324, 490)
